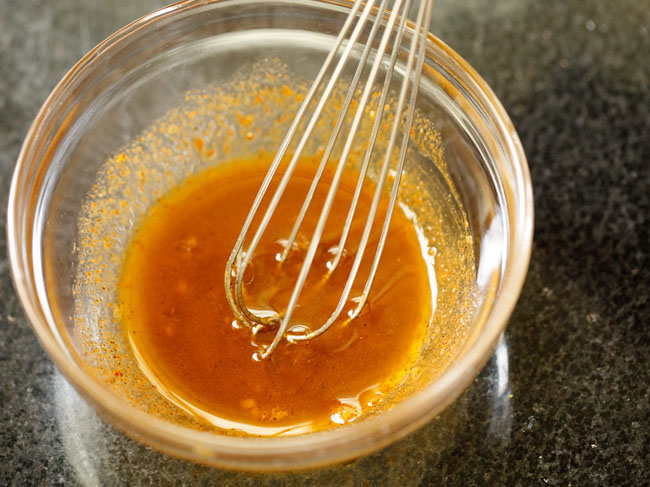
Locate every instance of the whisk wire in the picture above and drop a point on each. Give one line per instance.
(292, 164)
(335, 133)
(239, 260)
(373, 138)
(404, 147)
(353, 206)
(242, 313)
(327, 206)
(379, 189)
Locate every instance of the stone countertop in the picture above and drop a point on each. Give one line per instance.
(565, 400)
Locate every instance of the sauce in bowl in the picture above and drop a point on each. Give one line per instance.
(189, 344)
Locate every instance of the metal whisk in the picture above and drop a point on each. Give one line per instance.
(363, 14)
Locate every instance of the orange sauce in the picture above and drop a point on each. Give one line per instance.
(188, 342)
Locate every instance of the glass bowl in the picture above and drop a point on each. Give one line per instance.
(139, 74)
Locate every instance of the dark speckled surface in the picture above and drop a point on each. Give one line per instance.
(566, 398)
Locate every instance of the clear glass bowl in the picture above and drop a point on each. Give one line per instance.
(134, 77)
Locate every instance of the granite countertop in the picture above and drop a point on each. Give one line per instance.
(565, 400)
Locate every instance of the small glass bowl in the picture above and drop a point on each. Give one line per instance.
(133, 78)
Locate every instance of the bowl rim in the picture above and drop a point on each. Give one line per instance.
(297, 452)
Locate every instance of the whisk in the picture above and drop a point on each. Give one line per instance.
(362, 15)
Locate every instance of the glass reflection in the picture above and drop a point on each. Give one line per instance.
(500, 426)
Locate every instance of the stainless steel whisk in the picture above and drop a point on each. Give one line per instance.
(361, 15)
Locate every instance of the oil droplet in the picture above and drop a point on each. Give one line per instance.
(299, 330)
(344, 414)
(248, 403)
(189, 244)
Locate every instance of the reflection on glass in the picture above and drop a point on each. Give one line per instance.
(501, 413)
